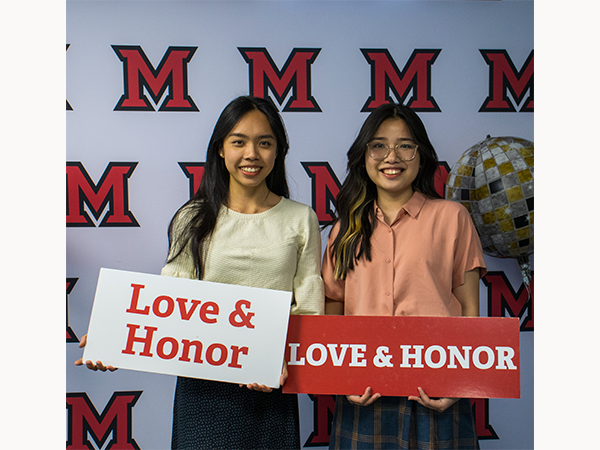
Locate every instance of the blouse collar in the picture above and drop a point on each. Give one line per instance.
(412, 207)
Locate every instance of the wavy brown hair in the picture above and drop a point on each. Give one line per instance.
(354, 203)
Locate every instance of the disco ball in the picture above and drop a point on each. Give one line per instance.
(494, 181)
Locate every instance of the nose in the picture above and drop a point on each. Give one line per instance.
(250, 151)
(392, 156)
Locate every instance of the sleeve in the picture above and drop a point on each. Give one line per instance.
(308, 285)
(468, 254)
(334, 289)
(183, 265)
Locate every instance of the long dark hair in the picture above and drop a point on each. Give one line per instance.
(202, 209)
(355, 214)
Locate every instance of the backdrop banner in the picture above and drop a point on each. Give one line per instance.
(191, 328)
(471, 357)
(145, 84)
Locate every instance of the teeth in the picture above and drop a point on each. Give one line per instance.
(250, 169)
(392, 171)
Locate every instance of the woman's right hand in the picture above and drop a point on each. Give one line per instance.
(89, 364)
(364, 400)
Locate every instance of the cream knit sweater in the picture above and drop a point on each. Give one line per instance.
(277, 249)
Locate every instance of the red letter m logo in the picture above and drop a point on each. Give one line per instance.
(505, 78)
(111, 189)
(84, 421)
(70, 334)
(265, 75)
(503, 299)
(193, 171)
(138, 74)
(325, 188)
(415, 78)
(323, 407)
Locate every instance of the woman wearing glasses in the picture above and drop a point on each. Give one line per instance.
(397, 248)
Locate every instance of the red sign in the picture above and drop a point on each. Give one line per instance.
(471, 357)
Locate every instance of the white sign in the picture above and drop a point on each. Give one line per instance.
(190, 328)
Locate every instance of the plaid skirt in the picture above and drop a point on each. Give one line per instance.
(398, 423)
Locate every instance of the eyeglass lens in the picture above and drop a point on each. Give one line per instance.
(380, 151)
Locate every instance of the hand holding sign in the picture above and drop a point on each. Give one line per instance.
(188, 327)
(364, 400)
(437, 404)
(90, 364)
(263, 388)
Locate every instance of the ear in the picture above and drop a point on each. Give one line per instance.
(221, 152)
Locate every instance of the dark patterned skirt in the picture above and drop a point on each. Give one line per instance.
(214, 415)
(398, 423)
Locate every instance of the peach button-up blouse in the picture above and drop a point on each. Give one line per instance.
(415, 263)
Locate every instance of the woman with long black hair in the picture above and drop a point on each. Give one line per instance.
(241, 228)
(397, 248)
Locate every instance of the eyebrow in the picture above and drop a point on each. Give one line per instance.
(385, 139)
(242, 135)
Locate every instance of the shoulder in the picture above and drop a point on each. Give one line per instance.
(297, 210)
(334, 229)
(446, 207)
(294, 206)
(451, 215)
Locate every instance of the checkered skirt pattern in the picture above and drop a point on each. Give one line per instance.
(398, 423)
(494, 181)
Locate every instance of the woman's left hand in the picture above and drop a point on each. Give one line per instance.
(437, 404)
(258, 387)
(263, 388)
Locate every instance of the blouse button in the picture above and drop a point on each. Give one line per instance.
(388, 293)
(388, 260)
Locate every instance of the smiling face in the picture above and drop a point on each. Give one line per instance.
(249, 151)
(393, 176)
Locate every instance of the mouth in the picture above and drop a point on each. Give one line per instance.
(392, 171)
(250, 170)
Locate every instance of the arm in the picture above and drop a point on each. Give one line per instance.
(468, 296)
(308, 284)
(183, 266)
(335, 289)
(333, 307)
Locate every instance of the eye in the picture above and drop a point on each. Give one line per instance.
(237, 143)
(267, 145)
(377, 145)
(408, 145)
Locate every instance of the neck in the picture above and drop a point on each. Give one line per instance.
(251, 201)
(391, 204)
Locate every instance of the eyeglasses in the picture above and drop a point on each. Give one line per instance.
(406, 151)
